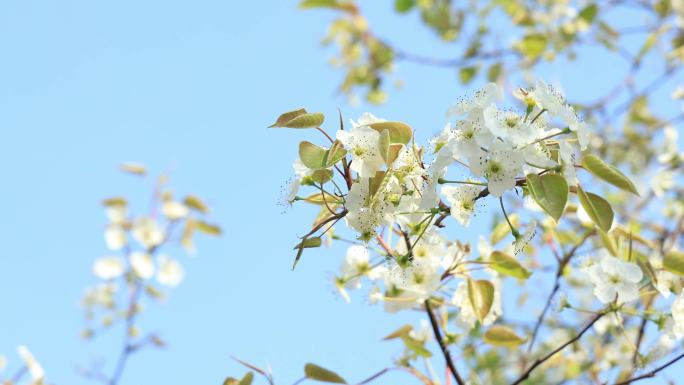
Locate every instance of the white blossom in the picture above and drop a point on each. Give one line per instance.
(35, 369)
(169, 271)
(142, 264)
(108, 267)
(614, 278)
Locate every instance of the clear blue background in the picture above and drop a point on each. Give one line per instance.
(190, 87)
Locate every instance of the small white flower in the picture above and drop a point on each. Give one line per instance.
(3, 363)
(169, 271)
(363, 144)
(666, 282)
(500, 165)
(116, 213)
(115, 237)
(614, 279)
(678, 316)
(355, 265)
(34, 368)
(549, 98)
(478, 101)
(142, 264)
(147, 232)
(508, 125)
(175, 210)
(108, 267)
(461, 198)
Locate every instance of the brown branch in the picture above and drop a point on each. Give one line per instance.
(541, 360)
(652, 373)
(442, 345)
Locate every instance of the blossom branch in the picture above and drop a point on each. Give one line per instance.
(652, 373)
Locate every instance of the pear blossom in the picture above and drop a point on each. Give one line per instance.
(115, 237)
(363, 144)
(355, 265)
(509, 126)
(169, 271)
(677, 310)
(175, 210)
(142, 264)
(549, 98)
(116, 213)
(35, 369)
(147, 231)
(477, 101)
(500, 165)
(614, 278)
(108, 268)
(462, 199)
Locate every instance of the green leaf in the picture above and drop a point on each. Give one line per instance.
(645, 265)
(399, 132)
(494, 72)
(597, 208)
(333, 4)
(133, 168)
(499, 335)
(402, 331)
(589, 13)
(403, 6)
(335, 153)
(317, 199)
(532, 45)
(466, 74)
(416, 346)
(608, 173)
(208, 228)
(481, 296)
(321, 176)
(674, 262)
(507, 265)
(309, 243)
(312, 156)
(315, 372)
(299, 119)
(247, 379)
(196, 204)
(550, 191)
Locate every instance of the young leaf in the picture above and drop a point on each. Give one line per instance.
(507, 265)
(309, 243)
(196, 204)
(597, 208)
(499, 335)
(321, 176)
(403, 6)
(674, 262)
(466, 74)
(481, 296)
(315, 372)
(208, 228)
(333, 4)
(312, 156)
(532, 45)
(416, 346)
(608, 173)
(550, 191)
(299, 119)
(335, 153)
(399, 132)
(402, 331)
(133, 168)
(247, 379)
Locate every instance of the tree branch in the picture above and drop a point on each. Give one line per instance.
(442, 345)
(652, 373)
(541, 360)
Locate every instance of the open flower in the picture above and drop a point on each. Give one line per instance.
(363, 144)
(500, 165)
(147, 231)
(169, 271)
(142, 264)
(108, 267)
(614, 279)
(461, 198)
(477, 101)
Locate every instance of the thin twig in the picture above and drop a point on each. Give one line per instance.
(442, 345)
(652, 373)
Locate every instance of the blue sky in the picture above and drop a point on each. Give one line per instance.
(190, 87)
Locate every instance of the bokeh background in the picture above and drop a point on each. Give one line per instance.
(188, 88)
